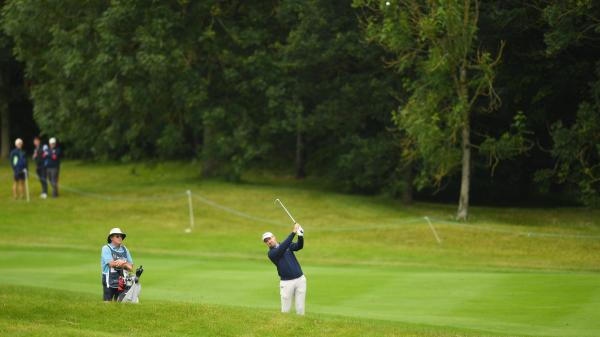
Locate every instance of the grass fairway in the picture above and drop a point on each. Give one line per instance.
(373, 265)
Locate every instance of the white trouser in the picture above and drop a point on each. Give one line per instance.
(291, 289)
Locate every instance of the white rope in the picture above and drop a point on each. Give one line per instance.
(234, 211)
(518, 233)
(332, 229)
(437, 238)
(173, 196)
(395, 225)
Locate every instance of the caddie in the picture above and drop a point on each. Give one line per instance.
(292, 285)
(115, 261)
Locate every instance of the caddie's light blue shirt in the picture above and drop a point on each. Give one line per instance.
(107, 256)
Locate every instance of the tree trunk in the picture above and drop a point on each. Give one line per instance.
(4, 131)
(300, 152)
(300, 155)
(463, 202)
(208, 161)
(407, 187)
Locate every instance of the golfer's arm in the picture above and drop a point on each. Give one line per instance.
(300, 243)
(295, 246)
(277, 252)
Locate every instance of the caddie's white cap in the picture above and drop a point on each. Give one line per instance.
(18, 142)
(52, 140)
(115, 230)
(267, 235)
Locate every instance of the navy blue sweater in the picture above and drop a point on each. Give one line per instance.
(288, 267)
(18, 160)
(53, 158)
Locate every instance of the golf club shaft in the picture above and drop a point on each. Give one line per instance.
(285, 209)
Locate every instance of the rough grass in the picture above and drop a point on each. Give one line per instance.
(506, 272)
(31, 311)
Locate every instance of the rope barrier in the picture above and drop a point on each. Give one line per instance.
(234, 211)
(518, 233)
(122, 198)
(394, 225)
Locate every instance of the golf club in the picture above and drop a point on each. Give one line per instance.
(285, 209)
(288, 213)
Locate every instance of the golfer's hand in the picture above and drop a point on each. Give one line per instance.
(296, 226)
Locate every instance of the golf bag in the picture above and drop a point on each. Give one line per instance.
(133, 288)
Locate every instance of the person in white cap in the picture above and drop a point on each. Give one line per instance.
(52, 164)
(18, 162)
(292, 285)
(115, 262)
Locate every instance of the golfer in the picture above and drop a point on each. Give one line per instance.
(116, 261)
(293, 282)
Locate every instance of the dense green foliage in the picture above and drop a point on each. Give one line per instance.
(381, 95)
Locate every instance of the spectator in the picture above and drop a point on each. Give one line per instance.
(39, 156)
(18, 162)
(52, 164)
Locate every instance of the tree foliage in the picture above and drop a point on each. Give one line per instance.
(464, 96)
(447, 75)
(576, 144)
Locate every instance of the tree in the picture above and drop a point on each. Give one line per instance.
(575, 148)
(330, 102)
(4, 131)
(5, 60)
(127, 79)
(13, 121)
(449, 77)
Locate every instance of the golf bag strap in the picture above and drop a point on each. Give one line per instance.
(114, 251)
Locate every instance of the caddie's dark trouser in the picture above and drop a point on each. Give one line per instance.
(110, 294)
(41, 173)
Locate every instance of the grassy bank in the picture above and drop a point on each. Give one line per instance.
(506, 272)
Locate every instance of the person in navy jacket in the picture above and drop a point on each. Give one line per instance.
(292, 284)
(39, 157)
(52, 164)
(18, 162)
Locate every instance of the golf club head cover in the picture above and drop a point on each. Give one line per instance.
(139, 271)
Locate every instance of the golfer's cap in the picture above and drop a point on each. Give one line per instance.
(267, 235)
(52, 140)
(115, 230)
